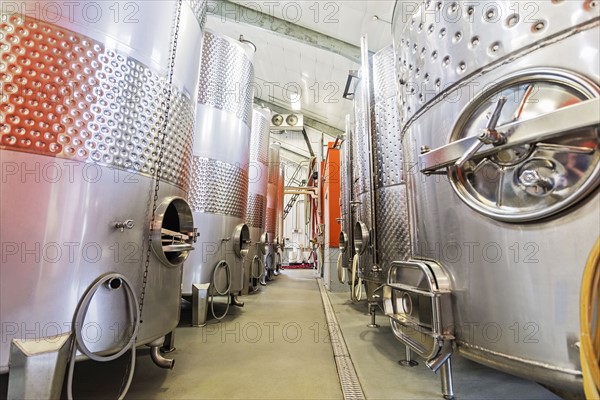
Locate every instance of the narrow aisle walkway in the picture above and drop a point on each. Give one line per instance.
(276, 347)
(376, 352)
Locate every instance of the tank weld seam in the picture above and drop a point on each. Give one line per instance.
(520, 359)
(508, 59)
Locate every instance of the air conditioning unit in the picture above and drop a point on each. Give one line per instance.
(287, 122)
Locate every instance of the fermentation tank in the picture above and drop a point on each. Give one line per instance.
(345, 246)
(219, 188)
(272, 204)
(391, 208)
(280, 234)
(499, 113)
(363, 190)
(258, 176)
(91, 113)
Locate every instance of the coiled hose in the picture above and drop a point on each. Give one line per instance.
(256, 261)
(356, 288)
(341, 271)
(269, 259)
(80, 313)
(589, 349)
(221, 264)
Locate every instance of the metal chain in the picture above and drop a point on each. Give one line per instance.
(168, 93)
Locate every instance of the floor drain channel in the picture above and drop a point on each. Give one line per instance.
(348, 379)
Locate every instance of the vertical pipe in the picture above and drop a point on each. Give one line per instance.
(446, 376)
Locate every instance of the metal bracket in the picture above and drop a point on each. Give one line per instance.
(352, 74)
(544, 127)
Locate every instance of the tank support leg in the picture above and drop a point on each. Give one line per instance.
(446, 376)
(235, 301)
(372, 311)
(169, 345)
(199, 303)
(408, 361)
(37, 367)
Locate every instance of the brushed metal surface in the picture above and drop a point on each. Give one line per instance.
(444, 43)
(256, 211)
(391, 206)
(69, 96)
(280, 235)
(219, 182)
(82, 106)
(218, 188)
(272, 190)
(514, 285)
(388, 144)
(226, 76)
(256, 215)
(213, 246)
(394, 233)
(361, 186)
(50, 261)
(259, 142)
(360, 153)
(346, 195)
(258, 169)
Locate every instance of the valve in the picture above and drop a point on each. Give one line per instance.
(489, 135)
(125, 225)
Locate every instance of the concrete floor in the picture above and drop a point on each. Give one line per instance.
(276, 347)
(376, 352)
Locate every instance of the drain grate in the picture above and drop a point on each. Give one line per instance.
(348, 379)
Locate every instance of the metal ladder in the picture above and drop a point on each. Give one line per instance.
(294, 198)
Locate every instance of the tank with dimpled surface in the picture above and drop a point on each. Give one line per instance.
(92, 111)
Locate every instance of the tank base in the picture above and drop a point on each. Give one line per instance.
(199, 303)
(408, 361)
(169, 345)
(235, 301)
(37, 367)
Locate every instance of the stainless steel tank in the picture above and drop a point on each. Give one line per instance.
(258, 176)
(391, 208)
(92, 111)
(219, 188)
(280, 234)
(346, 183)
(272, 204)
(499, 108)
(363, 196)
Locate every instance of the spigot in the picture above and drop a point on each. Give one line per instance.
(489, 135)
(125, 225)
(376, 269)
